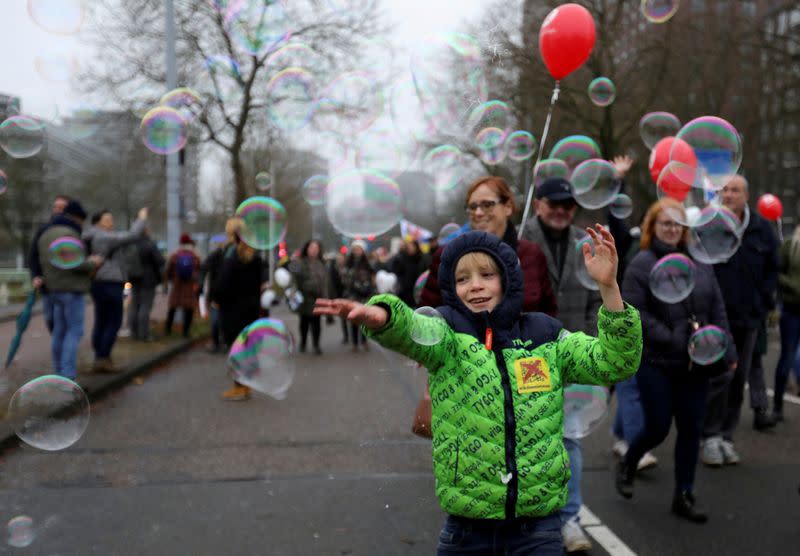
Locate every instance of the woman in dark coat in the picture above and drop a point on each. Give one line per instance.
(407, 265)
(312, 281)
(669, 385)
(238, 292)
(184, 285)
(359, 285)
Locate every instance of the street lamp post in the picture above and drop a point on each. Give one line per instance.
(173, 165)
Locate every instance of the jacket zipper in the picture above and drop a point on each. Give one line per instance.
(510, 430)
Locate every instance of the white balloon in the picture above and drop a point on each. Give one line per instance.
(283, 278)
(267, 298)
(385, 281)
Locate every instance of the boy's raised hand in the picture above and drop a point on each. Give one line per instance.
(602, 266)
(370, 316)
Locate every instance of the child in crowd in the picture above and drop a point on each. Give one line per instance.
(497, 382)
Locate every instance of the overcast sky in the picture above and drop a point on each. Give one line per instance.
(22, 42)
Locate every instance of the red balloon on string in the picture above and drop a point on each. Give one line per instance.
(770, 207)
(674, 179)
(566, 39)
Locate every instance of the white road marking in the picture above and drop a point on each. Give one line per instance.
(604, 536)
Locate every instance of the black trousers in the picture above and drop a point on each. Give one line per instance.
(188, 313)
(313, 321)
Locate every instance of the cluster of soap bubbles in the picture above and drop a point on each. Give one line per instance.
(261, 358)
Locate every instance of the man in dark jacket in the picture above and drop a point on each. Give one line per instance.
(209, 273)
(143, 292)
(748, 281)
(37, 275)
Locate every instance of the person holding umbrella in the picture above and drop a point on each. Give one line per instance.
(66, 288)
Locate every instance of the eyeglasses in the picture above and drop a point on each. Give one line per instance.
(670, 224)
(485, 206)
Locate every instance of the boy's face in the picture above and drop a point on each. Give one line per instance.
(479, 287)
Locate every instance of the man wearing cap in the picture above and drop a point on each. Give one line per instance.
(109, 282)
(66, 288)
(553, 231)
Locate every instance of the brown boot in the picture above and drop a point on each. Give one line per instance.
(237, 393)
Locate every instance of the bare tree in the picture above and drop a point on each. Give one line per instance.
(224, 54)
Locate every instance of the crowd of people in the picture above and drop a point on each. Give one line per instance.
(705, 401)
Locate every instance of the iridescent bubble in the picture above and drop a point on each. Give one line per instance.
(491, 114)
(672, 278)
(491, 145)
(575, 149)
(56, 69)
(585, 407)
(707, 345)
(716, 144)
(315, 190)
(445, 164)
(350, 103)
(293, 55)
(621, 206)
(264, 221)
(550, 168)
(261, 358)
(292, 94)
(60, 17)
(257, 27)
(263, 181)
(580, 264)
(521, 145)
(164, 131)
(66, 252)
(419, 285)
(381, 148)
(595, 183)
(21, 532)
(688, 186)
(717, 239)
(186, 101)
(602, 91)
(655, 126)
(21, 136)
(428, 326)
(449, 80)
(50, 412)
(448, 232)
(3, 182)
(659, 11)
(363, 203)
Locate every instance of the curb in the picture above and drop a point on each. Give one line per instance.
(98, 385)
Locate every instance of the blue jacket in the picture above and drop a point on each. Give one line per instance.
(666, 326)
(748, 279)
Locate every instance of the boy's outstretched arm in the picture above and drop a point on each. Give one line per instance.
(602, 267)
(369, 316)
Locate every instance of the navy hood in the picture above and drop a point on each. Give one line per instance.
(510, 307)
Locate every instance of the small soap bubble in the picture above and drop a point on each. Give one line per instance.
(659, 11)
(585, 407)
(672, 278)
(21, 532)
(164, 131)
(21, 136)
(655, 126)
(264, 221)
(708, 345)
(315, 190)
(521, 145)
(602, 91)
(621, 206)
(428, 326)
(66, 252)
(263, 182)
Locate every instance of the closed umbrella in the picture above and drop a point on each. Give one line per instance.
(22, 323)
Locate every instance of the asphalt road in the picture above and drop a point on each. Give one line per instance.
(166, 467)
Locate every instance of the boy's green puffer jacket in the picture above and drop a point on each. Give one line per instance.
(498, 415)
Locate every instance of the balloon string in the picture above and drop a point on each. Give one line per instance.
(780, 230)
(532, 187)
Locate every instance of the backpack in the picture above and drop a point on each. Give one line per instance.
(184, 266)
(133, 262)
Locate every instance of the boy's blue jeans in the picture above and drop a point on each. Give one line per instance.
(629, 419)
(517, 537)
(574, 500)
(68, 312)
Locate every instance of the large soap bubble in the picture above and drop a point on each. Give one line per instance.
(261, 358)
(585, 407)
(491, 145)
(363, 203)
(186, 101)
(595, 183)
(50, 412)
(707, 345)
(292, 96)
(264, 221)
(521, 145)
(494, 113)
(445, 165)
(689, 187)
(575, 149)
(717, 239)
(59, 17)
(258, 27)
(428, 326)
(21, 136)
(164, 131)
(672, 278)
(655, 126)
(716, 144)
(550, 168)
(350, 103)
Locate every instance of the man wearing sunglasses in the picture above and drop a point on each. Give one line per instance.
(552, 229)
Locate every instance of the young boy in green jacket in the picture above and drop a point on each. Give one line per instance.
(497, 381)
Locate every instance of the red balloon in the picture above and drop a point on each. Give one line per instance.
(770, 207)
(566, 39)
(673, 179)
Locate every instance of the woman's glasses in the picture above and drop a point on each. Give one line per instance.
(485, 206)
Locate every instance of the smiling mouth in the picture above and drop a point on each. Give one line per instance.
(480, 300)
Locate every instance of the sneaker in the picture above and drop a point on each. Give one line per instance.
(237, 393)
(648, 460)
(575, 539)
(711, 454)
(620, 448)
(729, 454)
(124, 333)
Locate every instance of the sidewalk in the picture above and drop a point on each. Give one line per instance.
(131, 357)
